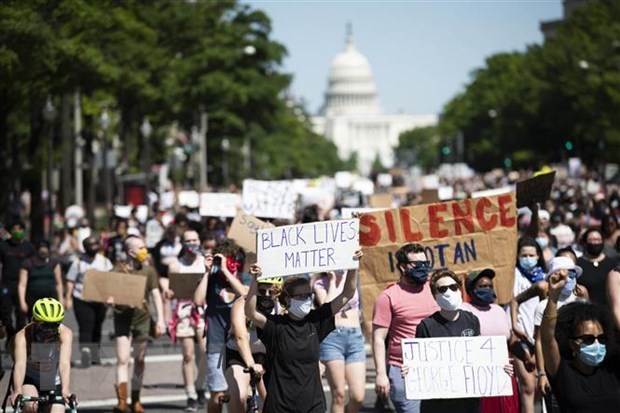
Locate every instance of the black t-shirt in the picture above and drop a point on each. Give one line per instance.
(594, 278)
(293, 379)
(591, 393)
(12, 255)
(466, 325)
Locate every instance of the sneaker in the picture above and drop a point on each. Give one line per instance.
(202, 398)
(192, 405)
(85, 357)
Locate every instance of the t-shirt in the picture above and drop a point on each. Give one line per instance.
(594, 278)
(494, 321)
(525, 315)
(400, 308)
(12, 255)
(292, 376)
(152, 282)
(78, 270)
(41, 280)
(220, 298)
(540, 308)
(466, 325)
(587, 393)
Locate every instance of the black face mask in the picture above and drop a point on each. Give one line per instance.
(265, 305)
(594, 249)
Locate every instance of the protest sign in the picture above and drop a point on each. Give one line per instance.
(190, 199)
(127, 289)
(462, 236)
(314, 247)
(184, 284)
(380, 201)
(214, 204)
(430, 196)
(456, 367)
(536, 189)
(243, 230)
(491, 192)
(269, 199)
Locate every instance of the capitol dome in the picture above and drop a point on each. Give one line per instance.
(351, 86)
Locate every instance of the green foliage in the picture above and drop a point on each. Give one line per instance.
(418, 147)
(525, 106)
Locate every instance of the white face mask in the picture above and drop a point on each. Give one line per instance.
(449, 301)
(300, 308)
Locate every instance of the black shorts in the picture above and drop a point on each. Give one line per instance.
(233, 358)
(35, 383)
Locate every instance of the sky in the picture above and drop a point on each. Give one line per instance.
(422, 53)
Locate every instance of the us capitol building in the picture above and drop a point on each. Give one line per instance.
(351, 115)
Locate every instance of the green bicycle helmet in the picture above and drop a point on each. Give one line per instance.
(48, 310)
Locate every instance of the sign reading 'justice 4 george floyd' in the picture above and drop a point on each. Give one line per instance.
(462, 236)
(315, 247)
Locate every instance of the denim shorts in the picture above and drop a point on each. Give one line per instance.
(344, 343)
(216, 381)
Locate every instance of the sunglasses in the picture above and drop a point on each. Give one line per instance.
(418, 264)
(444, 288)
(589, 339)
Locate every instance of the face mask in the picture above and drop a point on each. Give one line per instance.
(141, 255)
(449, 301)
(192, 249)
(594, 249)
(485, 295)
(419, 275)
(265, 305)
(592, 355)
(568, 288)
(543, 242)
(17, 235)
(528, 262)
(300, 308)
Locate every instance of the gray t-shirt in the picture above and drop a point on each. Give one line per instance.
(78, 269)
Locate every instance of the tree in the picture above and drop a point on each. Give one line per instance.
(418, 147)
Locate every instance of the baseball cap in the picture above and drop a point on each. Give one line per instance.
(474, 275)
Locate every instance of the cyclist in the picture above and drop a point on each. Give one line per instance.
(243, 348)
(42, 351)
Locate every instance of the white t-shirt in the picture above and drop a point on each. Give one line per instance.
(540, 308)
(525, 316)
(78, 269)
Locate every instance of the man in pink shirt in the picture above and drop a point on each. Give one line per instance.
(397, 313)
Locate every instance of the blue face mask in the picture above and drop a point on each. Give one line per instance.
(592, 355)
(568, 288)
(419, 275)
(543, 242)
(485, 295)
(528, 262)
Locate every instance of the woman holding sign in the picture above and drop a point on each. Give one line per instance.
(292, 341)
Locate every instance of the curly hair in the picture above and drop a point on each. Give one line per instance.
(439, 274)
(572, 315)
(401, 254)
(229, 248)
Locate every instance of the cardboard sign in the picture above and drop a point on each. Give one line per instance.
(269, 199)
(184, 284)
(314, 247)
(243, 230)
(380, 201)
(430, 196)
(456, 367)
(462, 236)
(214, 204)
(536, 189)
(127, 289)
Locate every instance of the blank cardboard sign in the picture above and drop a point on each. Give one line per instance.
(184, 284)
(127, 289)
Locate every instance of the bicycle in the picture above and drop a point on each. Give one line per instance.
(44, 401)
(253, 400)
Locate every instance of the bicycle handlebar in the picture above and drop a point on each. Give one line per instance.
(47, 399)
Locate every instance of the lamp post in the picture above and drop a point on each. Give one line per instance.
(225, 147)
(49, 114)
(146, 129)
(104, 121)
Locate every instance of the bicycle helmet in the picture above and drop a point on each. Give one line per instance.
(48, 310)
(271, 280)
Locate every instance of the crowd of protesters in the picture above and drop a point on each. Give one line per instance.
(560, 327)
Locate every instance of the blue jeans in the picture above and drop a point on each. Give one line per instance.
(397, 393)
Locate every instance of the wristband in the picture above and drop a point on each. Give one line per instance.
(540, 374)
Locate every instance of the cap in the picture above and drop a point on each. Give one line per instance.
(563, 263)
(474, 275)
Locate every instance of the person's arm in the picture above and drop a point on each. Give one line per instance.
(322, 295)
(550, 348)
(69, 295)
(543, 382)
(200, 293)
(257, 317)
(240, 332)
(538, 289)
(350, 284)
(382, 383)
(582, 292)
(19, 366)
(159, 307)
(236, 285)
(21, 289)
(58, 281)
(64, 364)
(514, 316)
(613, 292)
